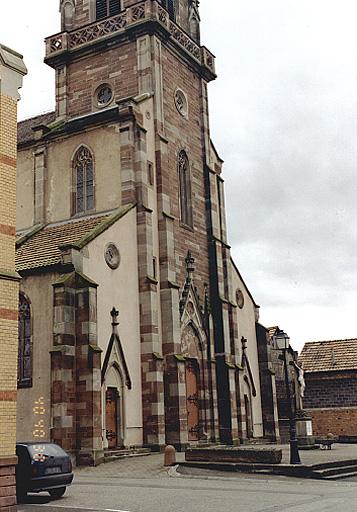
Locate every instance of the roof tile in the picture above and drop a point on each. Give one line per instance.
(42, 249)
(25, 128)
(334, 355)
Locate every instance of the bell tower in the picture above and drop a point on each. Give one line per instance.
(98, 46)
(140, 66)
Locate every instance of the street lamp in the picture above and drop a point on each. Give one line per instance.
(282, 341)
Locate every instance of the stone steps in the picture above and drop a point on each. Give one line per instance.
(342, 475)
(324, 471)
(124, 453)
(335, 470)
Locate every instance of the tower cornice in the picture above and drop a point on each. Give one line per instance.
(144, 17)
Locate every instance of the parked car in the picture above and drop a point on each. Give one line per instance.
(42, 467)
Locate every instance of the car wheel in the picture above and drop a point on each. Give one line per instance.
(57, 493)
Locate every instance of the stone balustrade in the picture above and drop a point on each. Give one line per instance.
(148, 10)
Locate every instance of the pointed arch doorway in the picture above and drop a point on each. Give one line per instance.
(115, 383)
(112, 417)
(114, 409)
(191, 345)
(192, 399)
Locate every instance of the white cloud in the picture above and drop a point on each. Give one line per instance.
(283, 116)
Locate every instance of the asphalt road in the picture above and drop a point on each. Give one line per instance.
(104, 492)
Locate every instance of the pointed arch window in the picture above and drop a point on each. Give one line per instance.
(24, 368)
(185, 189)
(83, 178)
(105, 8)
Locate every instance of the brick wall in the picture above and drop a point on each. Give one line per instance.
(335, 390)
(9, 291)
(338, 421)
(8, 287)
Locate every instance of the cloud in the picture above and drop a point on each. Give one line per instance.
(283, 117)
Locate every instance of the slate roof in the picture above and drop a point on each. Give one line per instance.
(25, 132)
(335, 355)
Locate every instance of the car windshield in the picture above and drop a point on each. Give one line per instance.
(51, 450)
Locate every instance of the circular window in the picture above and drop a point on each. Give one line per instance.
(112, 256)
(240, 298)
(104, 95)
(181, 102)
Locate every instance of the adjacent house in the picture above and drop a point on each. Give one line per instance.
(331, 386)
(12, 70)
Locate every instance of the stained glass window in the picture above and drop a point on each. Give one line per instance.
(24, 370)
(83, 175)
(185, 189)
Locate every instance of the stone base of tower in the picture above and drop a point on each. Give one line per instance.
(8, 484)
(89, 457)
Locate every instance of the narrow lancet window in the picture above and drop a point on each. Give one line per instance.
(185, 189)
(24, 367)
(83, 177)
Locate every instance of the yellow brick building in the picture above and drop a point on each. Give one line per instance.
(12, 70)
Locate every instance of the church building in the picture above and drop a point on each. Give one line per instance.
(135, 326)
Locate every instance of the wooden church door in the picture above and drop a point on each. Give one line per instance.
(111, 417)
(192, 400)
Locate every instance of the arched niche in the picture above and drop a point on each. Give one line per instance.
(67, 8)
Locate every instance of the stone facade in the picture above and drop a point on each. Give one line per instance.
(267, 376)
(131, 89)
(12, 70)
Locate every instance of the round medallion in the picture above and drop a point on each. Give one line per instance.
(104, 95)
(112, 256)
(181, 102)
(240, 298)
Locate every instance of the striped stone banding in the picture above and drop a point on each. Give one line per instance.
(7, 160)
(8, 314)
(5, 229)
(8, 396)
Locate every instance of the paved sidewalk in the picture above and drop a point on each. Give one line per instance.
(151, 466)
(148, 466)
(318, 456)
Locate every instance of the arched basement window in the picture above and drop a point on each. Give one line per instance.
(185, 189)
(83, 178)
(105, 8)
(24, 369)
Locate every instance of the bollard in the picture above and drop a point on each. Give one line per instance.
(169, 455)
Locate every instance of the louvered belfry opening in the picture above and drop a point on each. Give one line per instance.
(169, 5)
(171, 9)
(105, 8)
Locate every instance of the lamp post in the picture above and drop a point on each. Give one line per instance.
(282, 341)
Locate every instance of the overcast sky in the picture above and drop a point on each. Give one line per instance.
(283, 118)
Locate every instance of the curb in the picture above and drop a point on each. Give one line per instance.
(312, 471)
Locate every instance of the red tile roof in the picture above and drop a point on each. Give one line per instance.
(42, 248)
(25, 132)
(335, 355)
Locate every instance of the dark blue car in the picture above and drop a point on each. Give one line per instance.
(42, 467)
